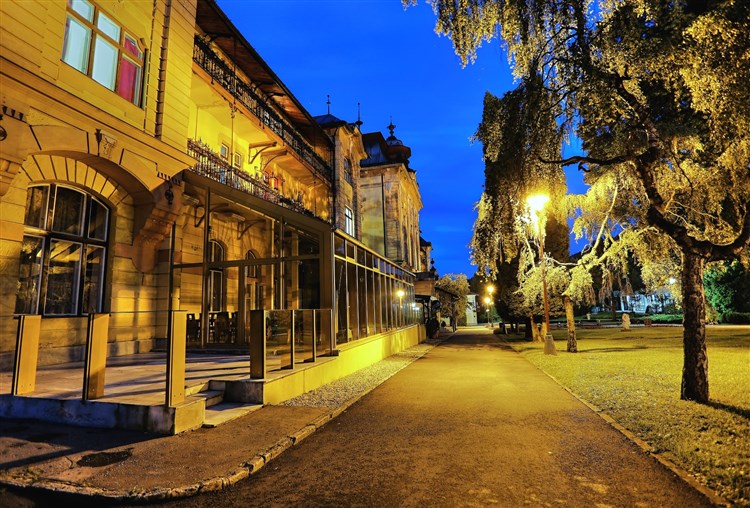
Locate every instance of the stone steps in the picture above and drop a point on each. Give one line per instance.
(218, 411)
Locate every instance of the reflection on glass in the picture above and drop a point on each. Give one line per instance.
(92, 282)
(63, 270)
(29, 278)
(68, 211)
(98, 219)
(36, 207)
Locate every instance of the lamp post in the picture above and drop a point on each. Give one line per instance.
(487, 301)
(490, 290)
(536, 208)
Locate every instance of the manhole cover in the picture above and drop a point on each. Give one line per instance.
(104, 458)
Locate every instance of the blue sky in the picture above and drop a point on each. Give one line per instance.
(391, 61)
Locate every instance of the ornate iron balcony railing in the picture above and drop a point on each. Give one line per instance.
(222, 73)
(211, 165)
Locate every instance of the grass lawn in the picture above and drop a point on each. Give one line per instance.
(634, 376)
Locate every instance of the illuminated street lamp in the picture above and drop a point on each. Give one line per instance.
(536, 208)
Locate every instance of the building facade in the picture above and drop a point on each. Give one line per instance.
(391, 200)
(155, 171)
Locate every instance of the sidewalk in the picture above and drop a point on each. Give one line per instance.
(120, 465)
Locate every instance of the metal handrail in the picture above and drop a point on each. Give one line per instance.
(221, 72)
(211, 165)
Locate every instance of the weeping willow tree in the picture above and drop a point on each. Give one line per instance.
(512, 133)
(657, 92)
(513, 149)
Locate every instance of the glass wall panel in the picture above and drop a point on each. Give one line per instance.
(371, 303)
(385, 299)
(278, 339)
(323, 330)
(304, 335)
(339, 246)
(342, 314)
(362, 293)
(309, 283)
(351, 277)
(290, 285)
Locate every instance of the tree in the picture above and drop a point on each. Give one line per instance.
(728, 287)
(513, 172)
(657, 92)
(452, 295)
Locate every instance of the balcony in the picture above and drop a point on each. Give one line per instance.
(222, 73)
(211, 165)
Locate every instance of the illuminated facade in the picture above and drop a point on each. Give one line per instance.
(156, 171)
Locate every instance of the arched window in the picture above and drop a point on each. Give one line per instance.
(63, 253)
(216, 277)
(251, 271)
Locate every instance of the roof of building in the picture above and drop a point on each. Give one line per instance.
(222, 32)
(328, 121)
(385, 151)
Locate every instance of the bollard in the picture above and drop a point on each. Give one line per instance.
(27, 352)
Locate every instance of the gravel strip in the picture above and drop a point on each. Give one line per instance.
(338, 392)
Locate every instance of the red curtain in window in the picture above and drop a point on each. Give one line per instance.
(128, 81)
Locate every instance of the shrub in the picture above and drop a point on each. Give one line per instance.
(736, 318)
(667, 318)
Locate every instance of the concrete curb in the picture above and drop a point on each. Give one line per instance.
(246, 469)
(681, 473)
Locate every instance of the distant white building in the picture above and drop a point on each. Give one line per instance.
(471, 309)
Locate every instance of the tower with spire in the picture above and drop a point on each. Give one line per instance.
(391, 199)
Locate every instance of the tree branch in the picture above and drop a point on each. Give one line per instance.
(583, 159)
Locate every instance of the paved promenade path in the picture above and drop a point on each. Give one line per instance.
(471, 423)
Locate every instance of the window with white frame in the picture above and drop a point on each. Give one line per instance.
(348, 221)
(63, 253)
(224, 152)
(99, 47)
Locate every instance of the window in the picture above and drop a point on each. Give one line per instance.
(348, 170)
(237, 160)
(224, 152)
(216, 277)
(63, 252)
(252, 270)
(99, 47)
(348, 221)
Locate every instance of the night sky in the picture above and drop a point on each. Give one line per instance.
(391, 61)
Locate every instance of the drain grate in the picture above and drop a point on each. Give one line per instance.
(102, 459)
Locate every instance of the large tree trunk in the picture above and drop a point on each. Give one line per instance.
(528, 329)
(695, 365)
(570, 319)
(535, 335)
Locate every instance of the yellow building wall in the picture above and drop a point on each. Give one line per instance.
(352, 357)
(58, 112)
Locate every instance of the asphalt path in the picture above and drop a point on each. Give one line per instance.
(469, 424)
